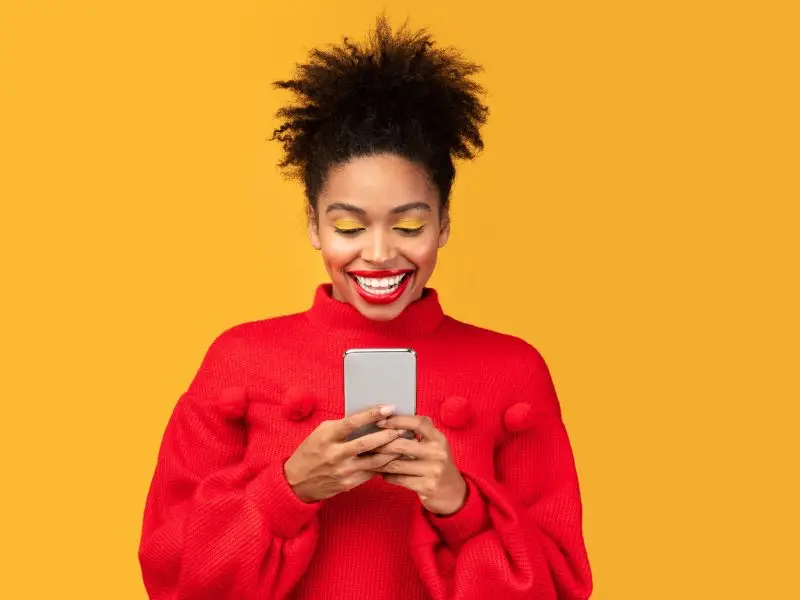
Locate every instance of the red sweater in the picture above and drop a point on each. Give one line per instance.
(222, 523)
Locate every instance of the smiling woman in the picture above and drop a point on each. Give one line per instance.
(373, 135)
(378, 247)
(260, 491)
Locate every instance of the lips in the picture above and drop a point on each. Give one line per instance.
(381, 286)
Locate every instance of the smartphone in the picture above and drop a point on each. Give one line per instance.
(380, 376)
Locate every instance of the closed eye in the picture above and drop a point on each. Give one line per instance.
(349, 232)
(410, 230)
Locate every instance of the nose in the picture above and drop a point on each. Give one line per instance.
(379, 249)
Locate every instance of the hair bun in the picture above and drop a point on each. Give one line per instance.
(398, 92)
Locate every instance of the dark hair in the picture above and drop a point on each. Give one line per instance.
(397, 93)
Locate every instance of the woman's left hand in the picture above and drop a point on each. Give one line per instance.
(429, 471)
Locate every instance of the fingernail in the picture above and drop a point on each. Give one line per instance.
(387, 410)
(382, 423)
(401, 431)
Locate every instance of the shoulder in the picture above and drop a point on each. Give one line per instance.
(506, 348)
(512, 360)
(241, 348)
(242, 336)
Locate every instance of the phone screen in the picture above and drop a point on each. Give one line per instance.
(380, 376)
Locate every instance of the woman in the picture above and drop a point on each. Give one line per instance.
(258, 494)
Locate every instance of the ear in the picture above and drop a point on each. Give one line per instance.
(444, 227)
(313, 229)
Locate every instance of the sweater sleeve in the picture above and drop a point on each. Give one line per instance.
(519, 534)
(215, 524)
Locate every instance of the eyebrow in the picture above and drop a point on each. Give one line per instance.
(360, 211)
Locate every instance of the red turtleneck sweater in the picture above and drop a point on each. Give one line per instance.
(221, 522)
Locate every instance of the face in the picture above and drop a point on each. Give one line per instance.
(379, 228)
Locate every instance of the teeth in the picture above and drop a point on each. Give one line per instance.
(379, 285)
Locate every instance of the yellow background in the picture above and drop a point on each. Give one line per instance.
(634, 216)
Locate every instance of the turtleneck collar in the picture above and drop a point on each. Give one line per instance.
(420, 318)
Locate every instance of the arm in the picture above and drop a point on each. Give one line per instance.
(214, 525)
(518, 537)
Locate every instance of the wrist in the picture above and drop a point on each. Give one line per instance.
(293, 481)
(288, 473)
(454, 503)
(285, 514)
(469, 520)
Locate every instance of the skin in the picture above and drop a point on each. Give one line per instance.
(432, 473)
(325, 464)
(378, 212)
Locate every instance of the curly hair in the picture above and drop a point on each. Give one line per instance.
(397, 93)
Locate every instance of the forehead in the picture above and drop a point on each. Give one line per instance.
(377, 184)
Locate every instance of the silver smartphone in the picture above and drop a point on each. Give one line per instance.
(380, 376)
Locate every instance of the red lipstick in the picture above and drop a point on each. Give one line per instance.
(382, 298)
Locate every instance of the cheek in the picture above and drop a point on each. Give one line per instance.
(423, 252)
(338, 251)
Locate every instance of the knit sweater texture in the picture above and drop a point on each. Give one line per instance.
(221, 522)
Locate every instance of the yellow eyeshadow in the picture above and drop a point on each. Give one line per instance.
(410, 224)
(345, 225)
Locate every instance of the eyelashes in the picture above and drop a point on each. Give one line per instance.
(348, 231)
(347, 227)
(354, 231)
(410, 230)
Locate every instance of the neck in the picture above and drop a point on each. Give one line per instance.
(421, 317)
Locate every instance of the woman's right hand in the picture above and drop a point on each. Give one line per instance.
(326, 464)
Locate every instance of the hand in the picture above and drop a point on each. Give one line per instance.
(432, 472)
(326, 464)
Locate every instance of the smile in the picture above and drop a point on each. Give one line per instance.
(381, 287)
